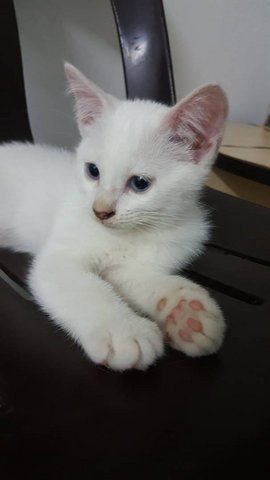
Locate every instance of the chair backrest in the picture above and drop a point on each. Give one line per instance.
(14, 122)
(145, 49)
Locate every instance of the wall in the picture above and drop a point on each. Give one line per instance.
(211, 41)
(82, 32)
(224, 41)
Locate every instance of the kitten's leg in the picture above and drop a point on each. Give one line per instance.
(187, 314)
(90, 310)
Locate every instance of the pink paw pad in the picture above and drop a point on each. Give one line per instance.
(182, 321)
(185, 336)
(161, 304)
(170, 319)
(196, 305)
(181, 305)
(194, 324)
(176, 313)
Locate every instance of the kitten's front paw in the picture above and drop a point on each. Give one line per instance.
(192, 320)
(134, 345)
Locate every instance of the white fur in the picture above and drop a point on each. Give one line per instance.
(99, 280)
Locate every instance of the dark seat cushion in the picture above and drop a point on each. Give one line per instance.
(63, 417)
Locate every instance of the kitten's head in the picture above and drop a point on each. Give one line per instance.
(140, 163)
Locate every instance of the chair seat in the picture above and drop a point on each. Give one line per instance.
(199, 418)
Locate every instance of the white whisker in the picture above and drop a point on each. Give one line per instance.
(147, 219)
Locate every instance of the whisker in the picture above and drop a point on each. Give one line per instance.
(153, 220)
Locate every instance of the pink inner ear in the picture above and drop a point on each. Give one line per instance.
(197, 122)
(88, 107)
(88, 102)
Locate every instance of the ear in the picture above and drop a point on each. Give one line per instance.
(197, 122)
(90, 101)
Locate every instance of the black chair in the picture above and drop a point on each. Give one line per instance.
(207, 418)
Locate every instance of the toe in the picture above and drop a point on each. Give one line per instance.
(147, 354)
(125, 355)
(194, 324)
(171, 320)
(161, 304)
(99, 347)
(196, 305)
(185, 336)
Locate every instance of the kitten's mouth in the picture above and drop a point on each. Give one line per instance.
(116, 223)
(106, 222)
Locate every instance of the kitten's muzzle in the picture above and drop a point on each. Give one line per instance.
(103, 215)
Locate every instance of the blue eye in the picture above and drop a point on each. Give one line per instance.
(139, 184)
(92, 170)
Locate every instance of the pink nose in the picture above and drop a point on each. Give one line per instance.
(103, 215)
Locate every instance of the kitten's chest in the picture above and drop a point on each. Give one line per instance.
(112, 256)
(112, 261)
(115, 253)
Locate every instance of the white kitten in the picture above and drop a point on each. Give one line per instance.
(109, 225)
